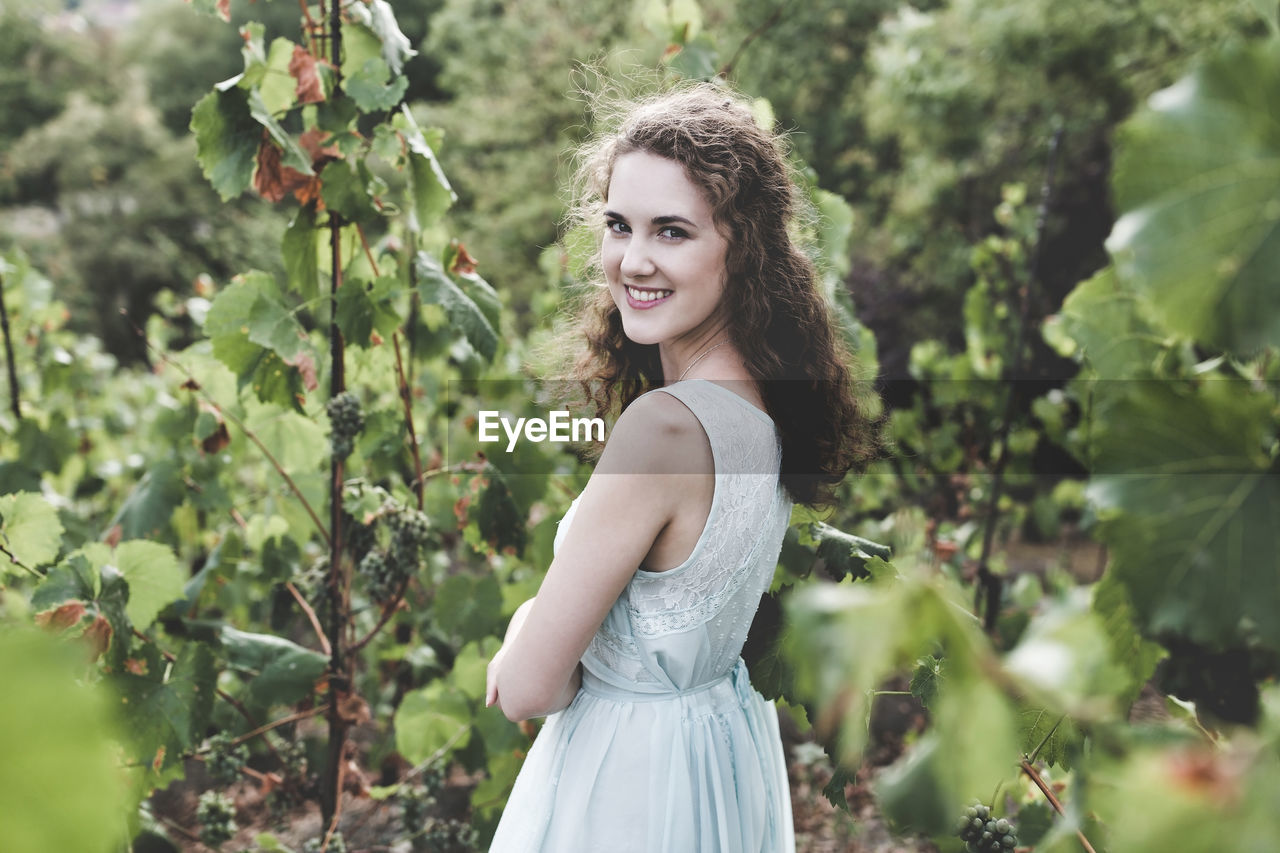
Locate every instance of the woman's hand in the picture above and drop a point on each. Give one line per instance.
(491, 679)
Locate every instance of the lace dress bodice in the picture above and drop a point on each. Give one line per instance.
(675, 630)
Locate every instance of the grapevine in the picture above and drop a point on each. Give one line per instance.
(336, 844)
(983, 833)
(225, 759)
(217, 816)
(347, 420)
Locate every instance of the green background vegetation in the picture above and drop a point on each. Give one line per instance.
(1050, 231)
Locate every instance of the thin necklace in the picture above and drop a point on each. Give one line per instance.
(703, 355)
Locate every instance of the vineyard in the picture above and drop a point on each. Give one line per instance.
(264, 265)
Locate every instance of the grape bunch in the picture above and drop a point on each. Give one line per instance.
(984, 833)
(217, 816)
(225, 758)
(410, 533)
(382, 576)
(447, 836)
(337, 844)
(346, 420)
(416, 804)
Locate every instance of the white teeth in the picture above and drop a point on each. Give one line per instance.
(647, 295)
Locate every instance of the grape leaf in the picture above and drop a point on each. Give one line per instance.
(499, 519)
(345, 189)
(380, 19)
(1198, 180)
(432, 194)
(845, 555)
(282, 672)
(437, 288)
(1104, 324)
(1129, 650)
(364, 307)
(294, 155)
(467, 606)
(1187, 503)
(925, 679)
(165, 711)
(369, 88)
(1056, 736)
(146, 512)
(153, 575)
(299, 251)
(432, 719)
(227, 138)
(29, 530)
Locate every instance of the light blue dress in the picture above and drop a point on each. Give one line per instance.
(667, 748)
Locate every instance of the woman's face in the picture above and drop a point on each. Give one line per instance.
(663, 256)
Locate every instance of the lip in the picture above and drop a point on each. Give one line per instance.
(645, 305)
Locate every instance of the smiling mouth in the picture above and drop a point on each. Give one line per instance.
(635, 294)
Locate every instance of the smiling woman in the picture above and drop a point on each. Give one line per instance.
(712, 337)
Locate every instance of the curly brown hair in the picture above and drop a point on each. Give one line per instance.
(777, 317)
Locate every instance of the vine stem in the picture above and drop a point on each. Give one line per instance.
(989, 582)
(8, 351)
(194, 385)
(19, 563)
(311, 616)
(768, 24)
(1052, 798)
(338, 585)
(283, 721)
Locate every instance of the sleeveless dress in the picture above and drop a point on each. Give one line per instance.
(667, 748)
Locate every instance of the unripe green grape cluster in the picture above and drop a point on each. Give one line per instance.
(337, 844)
(384, 571)
(984, 833)
(225, 759)
(448, 836)
(217, 816)
(345, 421)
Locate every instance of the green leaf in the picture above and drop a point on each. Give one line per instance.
(345, 189)
(1137, 656)
(29, 529)
(297, 442)
(146, 512)
(432, 720)
(380, 19)
(278, 87)
(925, 679)
(1104, 323)
(846, 555)
(696, 60)
(165, 712)
(71, 580)
(282, 672)
(1055, 735)
(468, 607)
(500, 521)
(153, 575)
(1188, 505)
(227, 139)
(432, 194)
(60, 781)
(299, 250)
(369, 88)
(367, 306)
(436, 288)
(294, 155)
(258, 338)
(1198, 180)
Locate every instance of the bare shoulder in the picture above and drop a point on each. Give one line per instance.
(657, 434)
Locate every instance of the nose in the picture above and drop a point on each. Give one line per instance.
(636, 260)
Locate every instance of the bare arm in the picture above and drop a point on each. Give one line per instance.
(655, 452)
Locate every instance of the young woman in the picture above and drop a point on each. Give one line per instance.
(714, 340)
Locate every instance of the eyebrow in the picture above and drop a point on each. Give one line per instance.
(657, 220)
